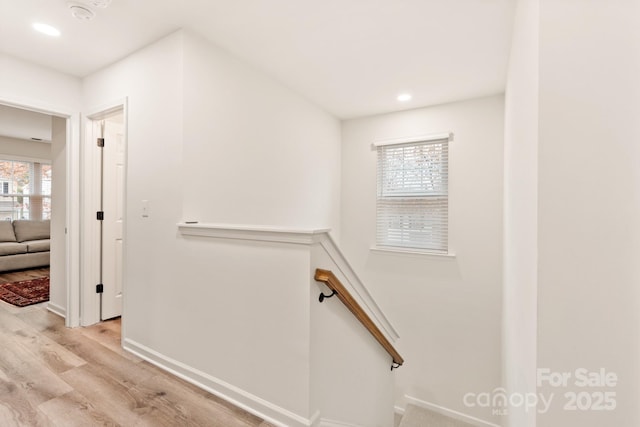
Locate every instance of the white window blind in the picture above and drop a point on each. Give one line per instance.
(413, 197)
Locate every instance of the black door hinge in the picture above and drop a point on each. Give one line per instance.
(99, 288)
(100, 215)
(100, 142)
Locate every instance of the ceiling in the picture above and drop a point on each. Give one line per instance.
(351, 57)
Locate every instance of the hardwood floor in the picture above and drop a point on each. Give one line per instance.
(54, 376)
(16, 276)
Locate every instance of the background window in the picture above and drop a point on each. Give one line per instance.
(25, 190)
(413, 199)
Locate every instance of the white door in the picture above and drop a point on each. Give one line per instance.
(113, 169)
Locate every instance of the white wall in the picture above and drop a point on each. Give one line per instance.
(26, 149)
(30, 84)
(447, 310)
(152, 81)
(240, 314)
(589, 202)
(58, 153)
(521, 213)
(231, 311)
(254, 152)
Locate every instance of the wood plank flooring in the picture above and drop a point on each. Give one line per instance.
(54, 376)
(16, 276)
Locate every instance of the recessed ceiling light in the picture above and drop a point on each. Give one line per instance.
(404, 97)
(46, 29)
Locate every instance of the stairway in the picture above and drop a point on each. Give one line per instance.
(415, 416)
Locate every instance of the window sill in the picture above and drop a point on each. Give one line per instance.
(418, 252)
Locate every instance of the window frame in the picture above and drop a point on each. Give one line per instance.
(408, 141)
(32, 161)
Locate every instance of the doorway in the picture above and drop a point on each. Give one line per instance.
(108, 147)
(70, 234)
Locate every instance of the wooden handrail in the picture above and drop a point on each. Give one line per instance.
(328, 278)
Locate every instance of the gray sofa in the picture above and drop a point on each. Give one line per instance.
(24, 244)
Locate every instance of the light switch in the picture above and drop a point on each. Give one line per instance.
(145, 209)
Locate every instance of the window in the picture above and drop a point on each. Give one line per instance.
(413, 200)
(25, 190)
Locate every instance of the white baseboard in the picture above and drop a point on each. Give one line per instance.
(243, 399)
(56, 309)
(334, 423)
(445, 411)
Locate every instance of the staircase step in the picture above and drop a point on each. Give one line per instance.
(415, 416)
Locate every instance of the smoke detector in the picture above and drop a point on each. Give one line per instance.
(100, 3)
(80, 11)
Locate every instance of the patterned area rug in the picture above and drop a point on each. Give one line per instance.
(25, 292)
